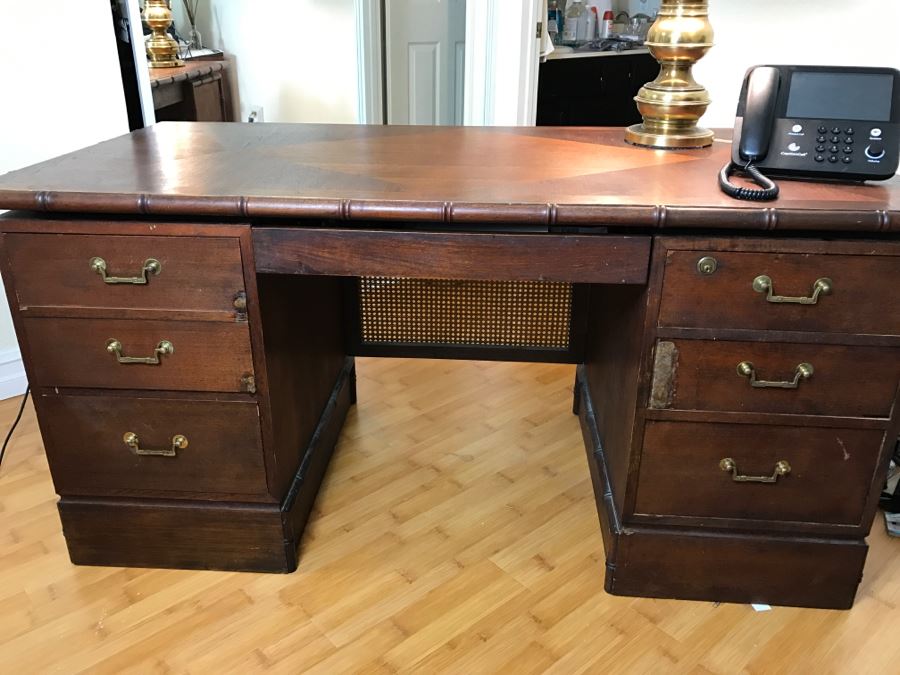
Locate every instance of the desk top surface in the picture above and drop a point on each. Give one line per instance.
(527, 175)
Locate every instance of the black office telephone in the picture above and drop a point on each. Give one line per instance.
(822, 123)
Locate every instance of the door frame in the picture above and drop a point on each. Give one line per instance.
(145, 91)
(369, 62)
(502, 62)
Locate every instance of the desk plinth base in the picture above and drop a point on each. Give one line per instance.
(208, 535)
(714, 566)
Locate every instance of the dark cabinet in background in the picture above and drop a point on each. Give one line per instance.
(593, 90)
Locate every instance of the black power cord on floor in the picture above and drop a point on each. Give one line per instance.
(14, 424)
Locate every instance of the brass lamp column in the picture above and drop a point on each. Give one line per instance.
(162, 50)
(673, 103)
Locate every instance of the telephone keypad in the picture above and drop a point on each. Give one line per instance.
(842, 149)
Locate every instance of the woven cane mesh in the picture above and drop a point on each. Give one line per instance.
(530, 314)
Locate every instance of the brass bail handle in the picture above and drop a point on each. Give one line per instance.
(131, 439)
(782, 468)
(151, 266)
(113, 346)
(764, 284)
(803, 371)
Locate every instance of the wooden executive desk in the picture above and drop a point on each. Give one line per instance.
(189, 299)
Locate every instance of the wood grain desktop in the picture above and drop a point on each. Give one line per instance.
(737, 364)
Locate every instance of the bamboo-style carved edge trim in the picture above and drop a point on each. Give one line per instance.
(209, 68)
(583, 215)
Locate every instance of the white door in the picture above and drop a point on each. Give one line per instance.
(425, 60)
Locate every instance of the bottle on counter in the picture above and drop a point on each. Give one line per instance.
(574, 13)
(553, 21)
(606, 26)
(588, 26)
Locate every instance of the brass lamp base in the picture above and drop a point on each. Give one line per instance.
(693, 138)
(165, 64)
(162, 50)
(674, 102)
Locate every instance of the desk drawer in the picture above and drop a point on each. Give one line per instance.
(776, 378)
(200, 274)
(831, 472)
(198, 356)
(83, 436)
(569, 258)
(860, 296)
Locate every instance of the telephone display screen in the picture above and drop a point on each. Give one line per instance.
(841, 96)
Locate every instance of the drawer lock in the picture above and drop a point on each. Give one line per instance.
(164, 347)
(151, 266)
(728, 465)
(803, 371)
(764, 284)
(131, 439)
(707, 265)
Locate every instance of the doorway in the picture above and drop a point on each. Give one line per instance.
(447, 62)
(424, 56)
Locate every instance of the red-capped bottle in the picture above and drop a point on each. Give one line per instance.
(606, 28)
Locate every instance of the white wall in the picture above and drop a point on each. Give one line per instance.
(60, 90)
(826, 32)
(295, 58)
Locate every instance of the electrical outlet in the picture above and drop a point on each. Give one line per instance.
(254, 113)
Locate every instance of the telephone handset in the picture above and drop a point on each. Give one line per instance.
(828, 123)
(753, 138)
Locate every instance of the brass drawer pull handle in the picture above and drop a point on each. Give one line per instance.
(782, 468)
(763, 284)
(164, 347)
(803, 371)
(151, 266)
(179, 442)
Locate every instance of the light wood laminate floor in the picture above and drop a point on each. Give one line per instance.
(456, 530)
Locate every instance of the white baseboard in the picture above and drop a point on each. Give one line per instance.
(12, 374)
